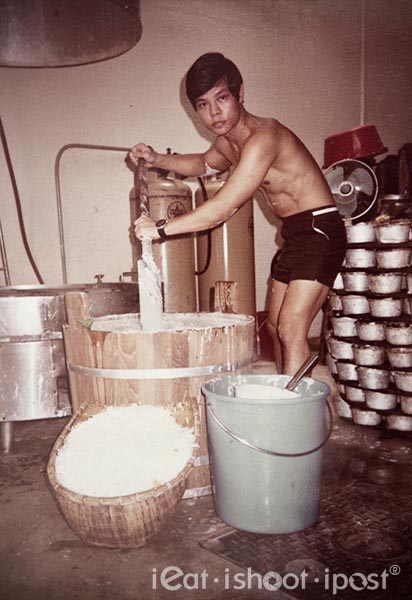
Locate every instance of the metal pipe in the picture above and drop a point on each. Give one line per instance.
(6, 436)
(18, 202)
(58, 191)
(4, 263)
(363, 64)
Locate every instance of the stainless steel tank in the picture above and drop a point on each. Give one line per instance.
(175, 257)
(33, 377)
(227, 251)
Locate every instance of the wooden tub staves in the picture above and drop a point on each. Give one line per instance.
(161, 368)
(127, 521)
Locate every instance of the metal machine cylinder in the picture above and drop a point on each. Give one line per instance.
(175, 257)
(33, 382)
(226, 253)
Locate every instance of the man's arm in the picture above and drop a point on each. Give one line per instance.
(190, 165)
(257, 156)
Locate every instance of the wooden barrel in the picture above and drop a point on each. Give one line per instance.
(111, 361)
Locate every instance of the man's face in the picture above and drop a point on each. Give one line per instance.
(218, 109)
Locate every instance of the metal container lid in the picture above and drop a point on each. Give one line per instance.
(62, 33)
(396, 198)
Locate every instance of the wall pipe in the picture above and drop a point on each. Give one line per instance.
(363, 64)
(19, 210)
(59, 195)
(3, 256)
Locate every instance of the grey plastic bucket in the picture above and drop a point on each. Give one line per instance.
(266, 454)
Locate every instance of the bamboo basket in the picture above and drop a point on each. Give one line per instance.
(127, 521)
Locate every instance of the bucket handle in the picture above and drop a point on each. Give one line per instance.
(272, 452)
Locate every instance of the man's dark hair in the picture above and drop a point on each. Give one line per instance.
(207, 71)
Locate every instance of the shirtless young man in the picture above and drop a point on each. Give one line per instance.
(266, 156)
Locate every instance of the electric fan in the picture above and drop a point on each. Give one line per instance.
(354, 187)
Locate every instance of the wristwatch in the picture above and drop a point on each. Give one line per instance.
(160, 226)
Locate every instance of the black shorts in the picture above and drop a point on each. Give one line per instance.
(314, 246)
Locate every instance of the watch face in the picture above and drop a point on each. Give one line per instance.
(160, 223)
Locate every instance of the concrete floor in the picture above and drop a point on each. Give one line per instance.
(40, 556)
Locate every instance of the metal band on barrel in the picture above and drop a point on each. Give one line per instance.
(167, 373)
(202, 461)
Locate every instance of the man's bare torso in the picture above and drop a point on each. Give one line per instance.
(294, 181)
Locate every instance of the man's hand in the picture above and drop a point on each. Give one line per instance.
(142, 151)
(144, 227)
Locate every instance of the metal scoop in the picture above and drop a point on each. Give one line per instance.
(302, 371)
(150, 286)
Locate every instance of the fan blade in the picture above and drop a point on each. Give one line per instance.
(362, 180)
(335, 178)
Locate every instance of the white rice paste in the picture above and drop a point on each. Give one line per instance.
(259, 391)
(123, 450)
(129, 323)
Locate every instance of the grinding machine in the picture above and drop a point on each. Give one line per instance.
(190, 265)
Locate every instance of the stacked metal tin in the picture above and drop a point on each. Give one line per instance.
(369, 333)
